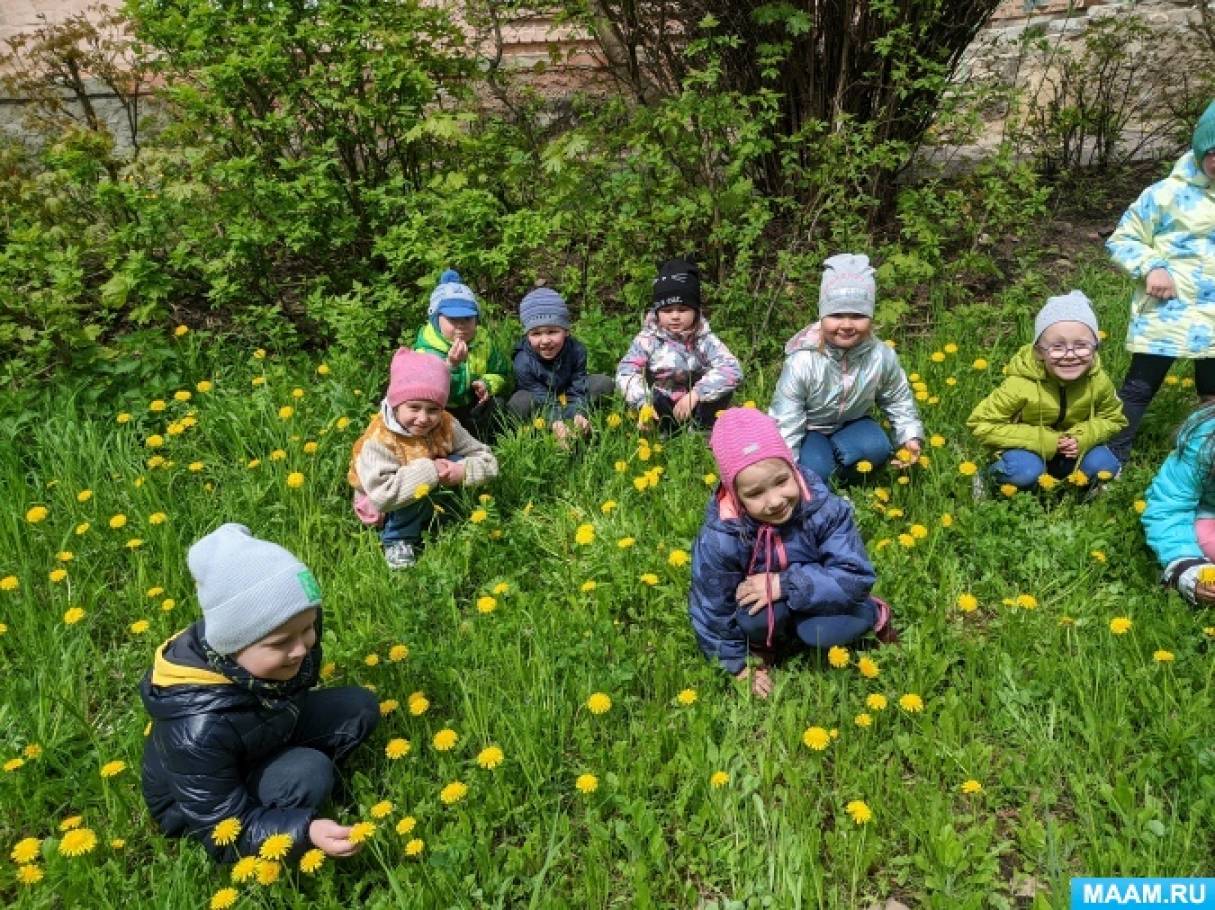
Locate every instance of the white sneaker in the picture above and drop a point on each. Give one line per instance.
(399, 555)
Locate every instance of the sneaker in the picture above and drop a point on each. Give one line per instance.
(883, 626)
(399, 555)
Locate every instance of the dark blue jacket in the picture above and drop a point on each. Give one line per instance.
(828, 570)
(544, 379)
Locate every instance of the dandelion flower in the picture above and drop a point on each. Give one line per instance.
(295, 480)
(78, 842)
(268, 871)
(860, 812)
(1206, 575)
(1120, 625)
(876, 702)
(406, 825)
(1162, 656)
(118, 521)
(599, 703)
(588, 586)
(311, 861)
(73, 616)
(816, 738)
(372, 660)
(453, 793)
(415, 847)
(678, 558)
(486, 604)
(1140, 506)
(276, 846)
(286, 412)
(117, 843)
(719, 779)
(382, 809)
(157, 518)
(584, 535)
(587, 784)
(361, 831)
(445, 739)
(30, 874)
(968, 469)
(13, 764)
(687, 697)
(863, 466)
(168, 604)
(122, 417)
(397, 748)
(36, 514)
(620, 467)
(979, 364)
(967, 603)
(72, 821)
(911, 703)
(388, 705)
(971, 787)
(1046, 482)
(155, 441)
(906, 540)
(9, 583)
(26, 850)
(134, 543)
(490, 757)
(649, 578)
(625, 543)
(244, 869)
(113, 768)
(868, 667)
(863, 719)
(418, 704)
(919, 532)
(226, 832)
(226, 897)
(608, 506)
(838, 657)
(398, 653)
(57, 575)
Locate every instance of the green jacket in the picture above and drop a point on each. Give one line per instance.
(1031, 409)
(484, 362)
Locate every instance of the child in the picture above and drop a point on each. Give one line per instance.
(779, 560)
(1163, 241)
(238, 734)
(479, 371)
(675, 363)
(1180, 514)
(835, 371)
(411, 447)
(1057, 407)
(549, 363)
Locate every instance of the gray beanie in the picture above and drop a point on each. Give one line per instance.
(1074, 306)
(247, 587)
(543, 306)
(847, 286)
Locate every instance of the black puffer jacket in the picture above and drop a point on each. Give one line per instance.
(208, 734)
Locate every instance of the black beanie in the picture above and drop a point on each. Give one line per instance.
(678, 282)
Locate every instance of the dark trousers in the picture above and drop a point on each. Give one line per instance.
(704, 415)
(795, 631)
(1143, 379)
(409, 522)
(522, 405)
(483, 419)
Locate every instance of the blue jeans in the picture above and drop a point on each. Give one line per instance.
(408, 522)
(804, 630)
(1022, 468)
(859, 440)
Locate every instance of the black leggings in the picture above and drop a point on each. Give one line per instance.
(1142, 381)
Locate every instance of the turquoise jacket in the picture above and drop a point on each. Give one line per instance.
(1182, 491)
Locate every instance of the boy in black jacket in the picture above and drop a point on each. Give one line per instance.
(241, 748)
(550, 368)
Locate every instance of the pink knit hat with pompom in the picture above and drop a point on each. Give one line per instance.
(417, 376)
(743, 436)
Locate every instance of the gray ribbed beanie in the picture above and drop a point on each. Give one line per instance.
(847, 286)
(1074, 306)
(543, 306)
(247, 587)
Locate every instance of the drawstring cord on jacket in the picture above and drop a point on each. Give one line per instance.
(770, 543)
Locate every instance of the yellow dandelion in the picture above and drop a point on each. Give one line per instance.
(911, 703)
(1046, 482)
(838, 657)
(118, 521)
(620, 467)
(117, 843)
(276, 846)
(71, 822)
(1206, 575)
(73, 616)
(979, 364)
(226, 831)
(32, 751)
(134, 543)
(906, 541)
(360, 832)
(157, 518)
(587, 784)
(155, 441)
(415, 847)
(967, 603)
(625, 543)
(122, 417)
(13, 764)
(9, 583)
(57, 575)
(919, 532)
(398, 653)
(26, 850)
(244, 869)
(397, 748)
(1027, 602)
(372, 660)
(649, 578)
(687, 697)
(816, 738)
(1097, 555)
(719, 779)
(226, 897)
(1139, 506)
(1120, 625)
(36, 514)
(78, 842)
(490, 757)
(1162, 656)
(599, 703)
(868, 667)
(863, 719)
(445, 739)
(937, 356)
(311, 861)
(406, 825)
(388, 705)
(453, 793)
(418, 704)
(268, 871)
(486, 604)
(478, 516)
(968, 469)
(876, 702)
(168, 604)
(113, 768)
(971, 786)
(295, 480)
(286, 412)
(30, 874)
(860, 812)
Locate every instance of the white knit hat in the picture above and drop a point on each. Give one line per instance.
(247, 587)
(1074, 306)
(847, 286)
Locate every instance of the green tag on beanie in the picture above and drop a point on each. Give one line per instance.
(308, 583)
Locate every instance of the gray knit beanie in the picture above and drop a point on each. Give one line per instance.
(1074, 306)
(542, 307)
(247, 587)
(847, 286)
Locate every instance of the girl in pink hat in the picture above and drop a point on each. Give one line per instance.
(779, 564)
(412, 448)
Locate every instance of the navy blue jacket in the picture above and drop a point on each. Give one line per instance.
(544, 379)
(828, 570)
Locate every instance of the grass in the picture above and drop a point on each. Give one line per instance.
(1093, 757)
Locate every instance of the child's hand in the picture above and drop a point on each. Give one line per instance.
(1068, 447)
(331, 838)
(480, 389)
(1204, 593)
(1160, 284)
(753, 591)
(761, 680)
(913, 447)
(581, 422)
(451, 473)
(458, 353)
(683, 407)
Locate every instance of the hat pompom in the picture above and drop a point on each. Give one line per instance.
(449, 276)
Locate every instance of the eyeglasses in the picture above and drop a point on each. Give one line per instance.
(1081, 349)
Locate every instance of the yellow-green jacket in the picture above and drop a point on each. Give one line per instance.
(1031, 409)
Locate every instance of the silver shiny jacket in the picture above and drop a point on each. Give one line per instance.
(822, 388)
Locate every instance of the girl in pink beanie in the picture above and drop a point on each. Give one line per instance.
(410, 448)
(779, 564)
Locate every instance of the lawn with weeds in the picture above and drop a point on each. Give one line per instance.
(1047, 715)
